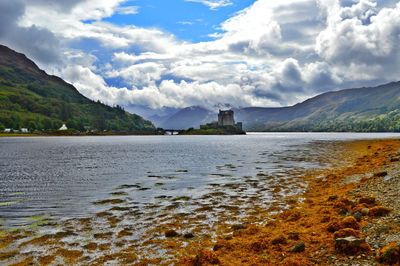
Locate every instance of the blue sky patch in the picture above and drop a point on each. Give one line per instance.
(188, 21)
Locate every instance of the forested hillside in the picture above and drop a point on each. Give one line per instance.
(29, 98)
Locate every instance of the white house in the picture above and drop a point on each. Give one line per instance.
(64, 127)
(24, 130)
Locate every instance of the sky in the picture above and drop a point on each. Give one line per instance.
(157, 54)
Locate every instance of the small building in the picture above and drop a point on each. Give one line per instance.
(64, 127)
(7, 130)
(24, 130)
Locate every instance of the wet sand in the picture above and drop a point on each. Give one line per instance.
(355, 197)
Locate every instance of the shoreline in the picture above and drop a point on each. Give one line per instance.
(336, 222)
(295, 230)
(17, 135)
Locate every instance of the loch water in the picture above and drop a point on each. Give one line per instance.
(61, 177)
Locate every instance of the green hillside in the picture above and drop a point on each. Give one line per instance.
(375, 109)
(29, 98)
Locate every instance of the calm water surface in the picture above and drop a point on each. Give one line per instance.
(63, 176)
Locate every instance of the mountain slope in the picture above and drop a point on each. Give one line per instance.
(362, 109)
(32, 99)
(189, 117)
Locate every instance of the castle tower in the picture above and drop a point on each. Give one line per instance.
(226, 118)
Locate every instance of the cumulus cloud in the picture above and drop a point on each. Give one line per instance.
(140, 75)
(272, 53)
(361, 42)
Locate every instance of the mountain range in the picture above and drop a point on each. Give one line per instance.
(33, 99)
(372, 109)
(30, 98)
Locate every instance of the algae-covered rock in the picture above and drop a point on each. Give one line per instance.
(299, 247)
(188, 235)
(237, 227)
(333, 226)
(379, 211)
(349, 222)
(171, 233)
(279, 240)
(351, 245)
(205, 257)
(390, 254)
(367, 200)
(346, 232)
(294, 235)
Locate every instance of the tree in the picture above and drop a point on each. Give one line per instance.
(47, 124)
(16, 121)
(32, 125)
(65, 113)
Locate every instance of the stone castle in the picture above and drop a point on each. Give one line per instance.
(226, 119)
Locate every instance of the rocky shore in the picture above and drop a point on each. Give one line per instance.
(350, 215)
(344, 214)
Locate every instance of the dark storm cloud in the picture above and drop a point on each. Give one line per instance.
(37, 43)
(10, 11)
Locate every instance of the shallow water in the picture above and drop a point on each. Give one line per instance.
(63, 176)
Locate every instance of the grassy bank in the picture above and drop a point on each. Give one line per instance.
(75, 133)
(17, 135)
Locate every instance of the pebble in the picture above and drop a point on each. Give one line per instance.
(358, 216)
(299, 247)
(237, 227)
(188, 235)
(171, 233)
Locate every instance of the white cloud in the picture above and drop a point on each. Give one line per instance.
(125, 58)
(140, 75)
(270, 54)
(360, 49)
(128, 10)
(213, 4)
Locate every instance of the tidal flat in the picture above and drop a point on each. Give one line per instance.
(279, 217)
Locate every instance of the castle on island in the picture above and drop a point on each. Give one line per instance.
(226, 120)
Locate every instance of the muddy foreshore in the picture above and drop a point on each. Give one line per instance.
(347, 214)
